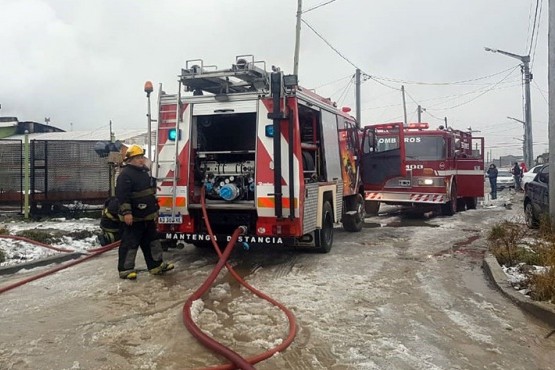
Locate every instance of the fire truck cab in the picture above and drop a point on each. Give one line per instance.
(259, 151)
(444, 167)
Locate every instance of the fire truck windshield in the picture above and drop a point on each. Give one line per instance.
(425, 148)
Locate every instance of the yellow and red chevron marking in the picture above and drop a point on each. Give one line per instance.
(168, 201)
(428, 198)
(269, 202)
(373, 196)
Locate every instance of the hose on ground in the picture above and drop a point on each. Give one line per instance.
(93, 253)
(223, 261)
(31, 241)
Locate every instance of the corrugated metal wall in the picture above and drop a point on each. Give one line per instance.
(61, 172)
(11, 175)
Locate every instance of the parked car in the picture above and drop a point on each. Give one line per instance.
(504, 179)
(530, 174)
(536, 197)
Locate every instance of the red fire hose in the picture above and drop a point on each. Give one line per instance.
(94, 252)
(236, 359)
(22, 238)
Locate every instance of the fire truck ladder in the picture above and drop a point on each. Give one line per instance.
(243, 76)
(173, 173)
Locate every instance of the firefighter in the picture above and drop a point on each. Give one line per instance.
(138, 210)
(109, 222)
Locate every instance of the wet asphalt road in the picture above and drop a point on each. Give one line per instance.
(405, 293)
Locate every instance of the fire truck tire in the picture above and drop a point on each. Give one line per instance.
(450, 208)
(471, 202)
(324, 236)
(371, 207)
(461, 204)
(354, 220)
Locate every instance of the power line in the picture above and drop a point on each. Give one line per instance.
(318, 6)
(534, 27)
(485, 92)
(440, 83)
(329, 44)
(332, 82)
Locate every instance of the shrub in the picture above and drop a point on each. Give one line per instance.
(506, 242)
(510, 244)
(38, 235)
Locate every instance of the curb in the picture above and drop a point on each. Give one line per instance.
(542, 311)
(40, 262)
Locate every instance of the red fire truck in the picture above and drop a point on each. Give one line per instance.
(265, 153)
(444, 167)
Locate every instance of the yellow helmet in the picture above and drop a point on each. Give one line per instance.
(133, 151)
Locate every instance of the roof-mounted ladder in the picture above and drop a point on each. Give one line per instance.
(243, 76)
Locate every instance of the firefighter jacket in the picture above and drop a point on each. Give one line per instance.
(109, 221)
(136, 190)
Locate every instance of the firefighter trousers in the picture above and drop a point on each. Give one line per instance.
(140, 234)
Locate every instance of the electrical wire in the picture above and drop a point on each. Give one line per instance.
(329, 44)
(483, 93)
(318, 6)
(407, 82)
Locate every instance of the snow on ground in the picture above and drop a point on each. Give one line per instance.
(17, 251)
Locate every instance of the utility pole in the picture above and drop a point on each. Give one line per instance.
(445, 120)
(420, 110)
(404, 105)
(298, 37)
(551, 87)
(148, 90)
(357, 97)
(529, 143)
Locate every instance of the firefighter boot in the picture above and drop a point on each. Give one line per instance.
(128, 274)
(164, 266)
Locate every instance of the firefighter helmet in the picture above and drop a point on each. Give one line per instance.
(133, 151)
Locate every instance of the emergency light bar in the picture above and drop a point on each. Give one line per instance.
(419, 126)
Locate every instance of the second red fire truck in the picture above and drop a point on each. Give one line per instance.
(444, 167)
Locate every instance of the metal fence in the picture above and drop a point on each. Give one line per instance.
(61, 173)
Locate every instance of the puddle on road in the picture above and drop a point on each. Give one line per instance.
(463, 247)
(401, 222)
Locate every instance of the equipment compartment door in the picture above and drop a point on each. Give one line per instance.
(383, 154)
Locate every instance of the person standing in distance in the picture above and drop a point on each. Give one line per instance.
(138, 210)
(517, 174)
(492, 175)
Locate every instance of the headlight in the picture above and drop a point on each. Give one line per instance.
(425, 182)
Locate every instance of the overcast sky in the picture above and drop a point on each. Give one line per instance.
(84, 63)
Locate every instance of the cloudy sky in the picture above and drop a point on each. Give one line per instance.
(84, 63)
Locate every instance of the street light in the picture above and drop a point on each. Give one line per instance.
(528, 142)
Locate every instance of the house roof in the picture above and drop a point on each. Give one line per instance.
(98, 135)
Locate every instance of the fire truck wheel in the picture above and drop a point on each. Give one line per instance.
(371, 207)
(324, 236)
(450, 208)
(354, 219)
(461, 204)
(471, 202)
